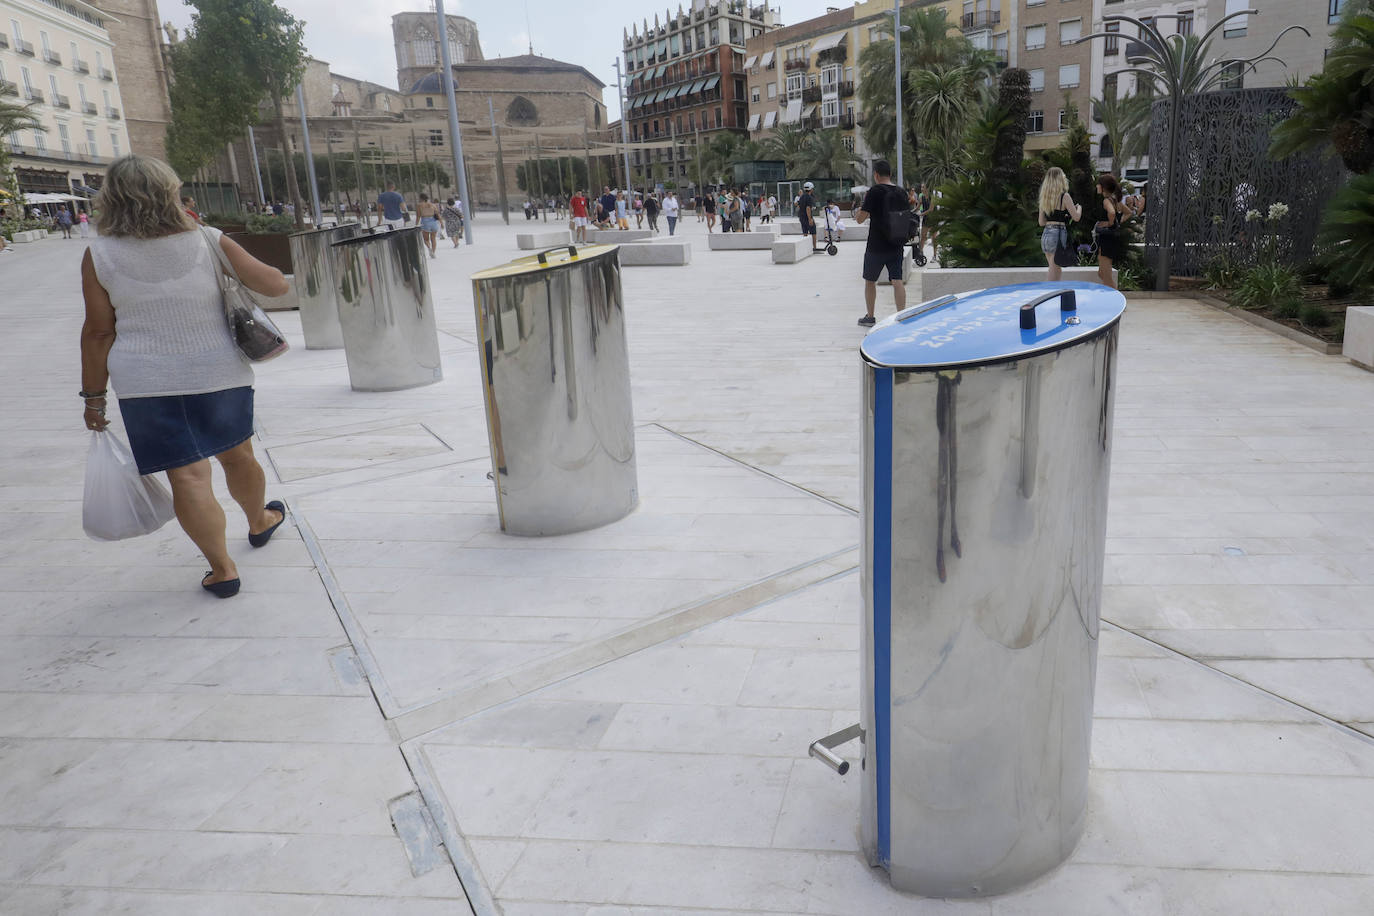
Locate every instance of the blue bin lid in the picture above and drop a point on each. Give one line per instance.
(987, 325)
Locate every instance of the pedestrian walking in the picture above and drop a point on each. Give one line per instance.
(1111, 244)
(670, 212)
(1057, 211)
(736, 210)
(83, 222)
(708, 203)
(651, 209)
(881, 251)
(806, 212)
(389, 202)
(428, 214)
(64, 221)
(639, 212)
(155, 330)
(453, 221)
(578, 205)
(622, 211)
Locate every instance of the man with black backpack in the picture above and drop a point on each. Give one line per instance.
(893, 224)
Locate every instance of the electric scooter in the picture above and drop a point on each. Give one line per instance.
(830, 247)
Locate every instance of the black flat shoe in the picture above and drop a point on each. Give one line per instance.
(262, 537)
(226, 589)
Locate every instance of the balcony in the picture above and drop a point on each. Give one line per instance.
(61, 101)
(112, 113)
(846, 89)
(88, 108)
(56, 155)
(846, 122)
(107, 75)
(797, 63)
(811, 94)
(52, 57)
(24, 47)
(8, 88)
(983, 19)
(999, 55)
(80, 66)
(4, 41)
(33, 95)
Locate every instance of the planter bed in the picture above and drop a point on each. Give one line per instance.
(1290, 329)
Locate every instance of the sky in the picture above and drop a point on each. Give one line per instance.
(355, 35)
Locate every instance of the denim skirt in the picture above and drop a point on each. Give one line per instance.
(1049, 238)
(170, 431)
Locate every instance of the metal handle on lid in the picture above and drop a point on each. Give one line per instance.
(543, 256)
(917, 310)
(1068, 302)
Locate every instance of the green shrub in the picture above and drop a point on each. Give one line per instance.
(1347, 231)
(1270, 286)
(262, 223)
(225, 219)
(1223, 271)
(1129, 278)
(1313, 315)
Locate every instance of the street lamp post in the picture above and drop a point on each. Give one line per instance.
(624, 135)
(460, 171)
(897, 30)
(309, 158)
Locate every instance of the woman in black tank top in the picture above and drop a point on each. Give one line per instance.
(1057, 211)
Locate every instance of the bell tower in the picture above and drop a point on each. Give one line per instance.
(140, 72)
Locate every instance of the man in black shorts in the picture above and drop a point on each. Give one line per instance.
(881, 252)
(806, 212)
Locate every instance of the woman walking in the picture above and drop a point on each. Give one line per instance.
(453, 221)
(709, 204)
(155, 328)
(428, 213)
(1057, 211)
(651, 211)
(622, 211)
(1111, 244)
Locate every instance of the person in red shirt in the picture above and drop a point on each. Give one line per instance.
(579, 215)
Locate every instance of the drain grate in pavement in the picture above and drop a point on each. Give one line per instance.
(418, 832)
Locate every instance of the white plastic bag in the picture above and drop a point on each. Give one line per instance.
(120, 503)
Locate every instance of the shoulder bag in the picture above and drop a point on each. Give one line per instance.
(256, 335)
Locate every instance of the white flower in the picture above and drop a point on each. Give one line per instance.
(1252, 215)
(1278, 211)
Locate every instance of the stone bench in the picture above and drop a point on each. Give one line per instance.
(934, 282)
(616, 236)
(853, 232)
(740, 241)
(30, 235)
(538, 241)
(792, 249)
(1359, 336)
(668, 253)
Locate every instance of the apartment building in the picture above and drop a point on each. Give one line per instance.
(1060, 70)
(685, 79)
(58, 55)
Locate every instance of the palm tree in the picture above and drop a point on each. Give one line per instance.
(947, 98)
(787, 143)
(929, 40)
(1127, 122)
(826, 156)
(19, 117)
(1337, 104)
(719, 155)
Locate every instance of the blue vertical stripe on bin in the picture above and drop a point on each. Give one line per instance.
(882, 604)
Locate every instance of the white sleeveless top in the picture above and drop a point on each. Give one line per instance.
(171, 336)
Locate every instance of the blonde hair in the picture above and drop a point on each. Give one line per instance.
(1052, 190)
(141, 198)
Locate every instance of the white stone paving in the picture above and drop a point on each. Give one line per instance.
(616, 722)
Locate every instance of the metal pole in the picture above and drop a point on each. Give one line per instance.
(414, 161)
(257, 170)
(271, 189)
(897, 64)
(1170, 183)
(587, 158)
(333, 178)
(500, 167)
(624, 134)
(358, 170)
(455, 135)
(696, 132)
(539, 168)
(309, 159)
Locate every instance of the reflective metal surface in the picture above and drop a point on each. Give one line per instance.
(556, 380)
(985, 507)
(385, 312)
(311, 264)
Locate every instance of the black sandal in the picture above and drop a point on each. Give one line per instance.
(262, 537)
(226, 589)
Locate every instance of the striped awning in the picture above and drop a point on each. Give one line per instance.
(711, 83)
(696, 87)
(750, 61)
(770, 119)
(793, 113)
(753, 122)
(829, 41)
(767, 59)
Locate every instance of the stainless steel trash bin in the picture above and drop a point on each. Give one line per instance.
(987, 445)
(385, 311)
(556, 381)
(314, 277)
